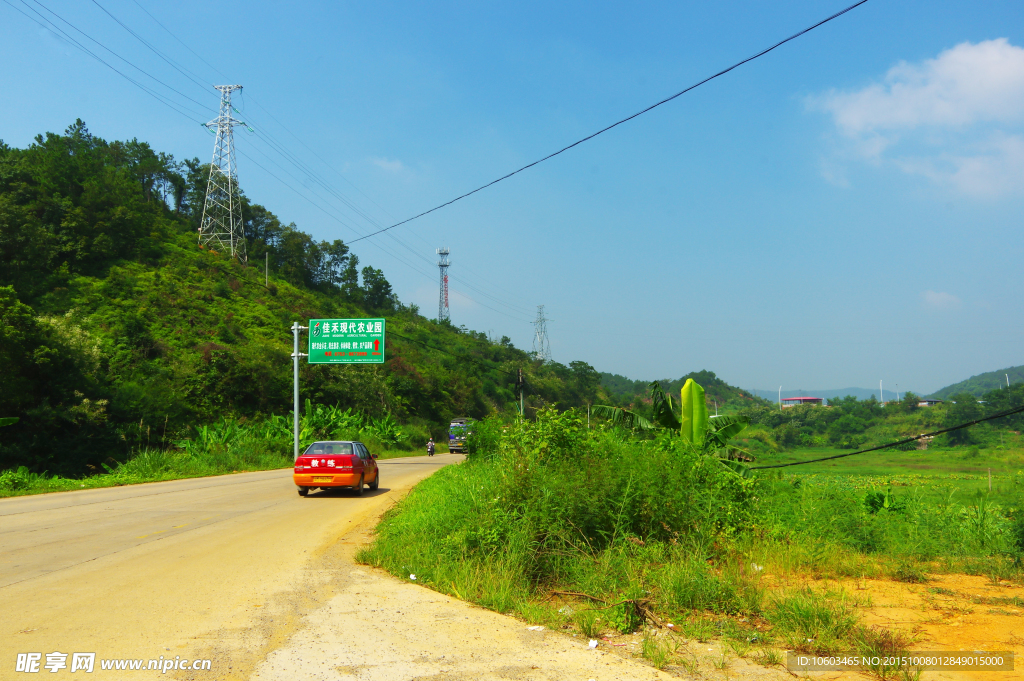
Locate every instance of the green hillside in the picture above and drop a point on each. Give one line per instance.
(118, 332)
(725, 397)
(982, 383)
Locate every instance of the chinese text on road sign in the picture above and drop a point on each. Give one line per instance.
(346, 341)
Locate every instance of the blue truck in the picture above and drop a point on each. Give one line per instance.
(458, 431)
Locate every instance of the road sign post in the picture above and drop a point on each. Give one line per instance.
(336, 341)
(295, 365)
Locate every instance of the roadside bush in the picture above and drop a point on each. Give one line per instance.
(550, 501)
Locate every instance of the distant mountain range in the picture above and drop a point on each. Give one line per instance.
(982, 383)
(859, 393)
(715, 387)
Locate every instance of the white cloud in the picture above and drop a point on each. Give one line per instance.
(955, 119)
(996, 170)
(966, 84)
(939, 300)
(388, 165)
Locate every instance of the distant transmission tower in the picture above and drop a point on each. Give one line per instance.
(443, 314)
(221, 227)
(541, 346)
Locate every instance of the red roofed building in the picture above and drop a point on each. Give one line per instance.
(794, 401)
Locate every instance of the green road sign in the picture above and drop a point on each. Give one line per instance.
(346, 341)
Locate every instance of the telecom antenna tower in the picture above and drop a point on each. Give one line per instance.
(443, 314)
(221, 227)
(541, 346)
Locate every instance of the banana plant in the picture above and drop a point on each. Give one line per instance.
(710, 436)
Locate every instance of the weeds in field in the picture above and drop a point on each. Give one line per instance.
(813, 621)
(589, 623)
(883, 644)
(909, 572)
(549, 506)
(768, 657)
(656, 651)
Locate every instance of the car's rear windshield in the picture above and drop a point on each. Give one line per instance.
(330, 448)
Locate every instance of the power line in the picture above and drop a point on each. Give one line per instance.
(49, 25)
(624, 120)
(999, 415)
(126, 61)
(156, 51)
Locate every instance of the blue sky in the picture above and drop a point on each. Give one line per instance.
(844, 210)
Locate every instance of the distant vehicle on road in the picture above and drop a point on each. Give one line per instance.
(331, 464)
(461, 427)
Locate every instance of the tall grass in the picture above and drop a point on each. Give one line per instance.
(228, 446)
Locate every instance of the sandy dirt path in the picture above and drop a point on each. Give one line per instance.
(242, 571)
(159, 569)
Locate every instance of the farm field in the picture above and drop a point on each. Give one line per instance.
(931, 473)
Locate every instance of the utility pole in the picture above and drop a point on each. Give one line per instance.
(541, 346)
(266, 269)
(522, 391)
(221, 226)
(780, 398)
(443, 314)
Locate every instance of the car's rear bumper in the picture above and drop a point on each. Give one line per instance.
(326, 479)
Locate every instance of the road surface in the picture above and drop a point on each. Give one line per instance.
(186, 568)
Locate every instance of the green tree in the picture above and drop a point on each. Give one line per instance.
(377, 293)
(961, 408)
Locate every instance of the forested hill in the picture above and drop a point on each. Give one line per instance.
(982, 383)
(718, 393)
(117, 330)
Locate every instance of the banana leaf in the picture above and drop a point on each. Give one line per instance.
(694, 422)
(722, 429)
(737, 467)
(662, 407)
(622, 417)
(8, 421)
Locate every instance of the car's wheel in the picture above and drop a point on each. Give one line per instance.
(376, 480)
(303, 491)
(359, 487)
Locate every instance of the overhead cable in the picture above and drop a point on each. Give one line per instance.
(618, 123)
(50, 26)
(998, 415)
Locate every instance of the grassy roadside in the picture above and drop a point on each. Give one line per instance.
(592, 531)
(157, 465)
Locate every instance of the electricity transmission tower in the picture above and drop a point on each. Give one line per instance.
(541, 346)
(443, 314)
(221, 227)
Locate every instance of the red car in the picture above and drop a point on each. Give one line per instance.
(332, 464)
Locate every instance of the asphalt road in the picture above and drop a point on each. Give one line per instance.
(188, 568)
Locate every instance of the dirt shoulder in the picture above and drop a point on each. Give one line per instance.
(348, 621)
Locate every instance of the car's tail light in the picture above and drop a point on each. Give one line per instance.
(343, 463)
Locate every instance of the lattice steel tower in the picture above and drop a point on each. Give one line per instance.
(541, 346)
(221, 227)
(442, 302)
